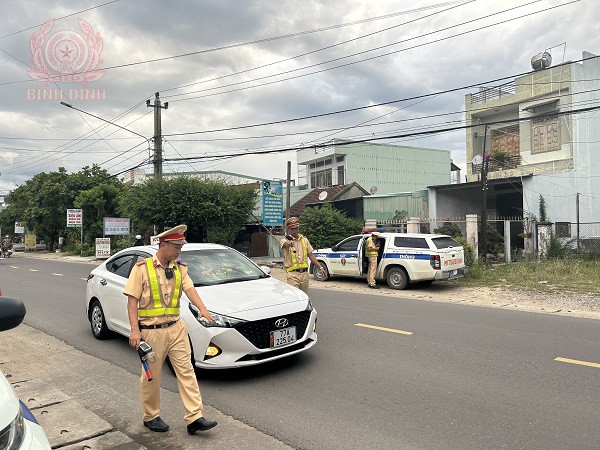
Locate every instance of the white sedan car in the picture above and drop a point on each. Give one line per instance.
(18, 428)
(257, 317)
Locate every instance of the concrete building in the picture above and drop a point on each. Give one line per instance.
(538, 146)
(378, 168)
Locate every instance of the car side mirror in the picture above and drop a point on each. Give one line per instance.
(12, 313)
(266, 270)
(334, 248)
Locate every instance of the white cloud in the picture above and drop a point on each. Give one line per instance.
(137, 31)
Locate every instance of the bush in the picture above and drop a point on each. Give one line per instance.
(449, 228)
(327, 226)
(468, 250)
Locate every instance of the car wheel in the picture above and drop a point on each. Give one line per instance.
(317, 273)
(397, 278)
(98, 321)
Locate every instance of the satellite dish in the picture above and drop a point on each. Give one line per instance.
(477, 159)
(322, 195)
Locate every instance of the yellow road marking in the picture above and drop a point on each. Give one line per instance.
(391, 330)
(58, 274)
(576, 361)
(33, 270)
(13, 267)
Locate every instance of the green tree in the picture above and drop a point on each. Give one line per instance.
(210, 209)
(327, 226)
(543, 212)
(42, 203)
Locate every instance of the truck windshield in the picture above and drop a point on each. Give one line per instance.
(445, 242)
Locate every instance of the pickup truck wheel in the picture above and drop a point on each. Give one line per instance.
(317, 273)
(98, 321)
(397, 278)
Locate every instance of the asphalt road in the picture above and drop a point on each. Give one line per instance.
(467, 377)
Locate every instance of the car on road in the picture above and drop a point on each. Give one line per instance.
(257, 317)
(403, 258)
(18, 428)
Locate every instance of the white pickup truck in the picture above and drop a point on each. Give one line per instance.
(403, 258)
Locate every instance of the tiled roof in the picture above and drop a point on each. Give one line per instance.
(313, 197)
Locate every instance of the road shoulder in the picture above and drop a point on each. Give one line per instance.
(82, 400)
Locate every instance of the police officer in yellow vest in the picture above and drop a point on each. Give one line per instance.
(296, 251)
(371, 252)
(154, 290)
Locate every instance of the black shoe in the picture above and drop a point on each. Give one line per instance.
(374, 287)
(200, 424)
(157, 424)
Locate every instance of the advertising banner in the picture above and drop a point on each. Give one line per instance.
(116, 226)
(272, 203)
(19, 228)
(74, 218)
(102, 248)
(30, 242)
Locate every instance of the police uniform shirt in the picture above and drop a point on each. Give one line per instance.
(287, 252)
(138, 286)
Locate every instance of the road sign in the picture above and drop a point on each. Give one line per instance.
(272, 204)
(74, 218)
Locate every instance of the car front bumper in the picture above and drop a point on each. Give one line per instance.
(238, 351)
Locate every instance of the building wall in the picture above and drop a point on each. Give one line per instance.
(391, 168)
(384, 207)
(383, 167)
(560, 188)
(529, 90)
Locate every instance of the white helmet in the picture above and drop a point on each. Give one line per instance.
(137, 236)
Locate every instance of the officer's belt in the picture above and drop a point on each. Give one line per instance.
(299, 270)
(154, 327)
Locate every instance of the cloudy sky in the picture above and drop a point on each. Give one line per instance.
(229, 69)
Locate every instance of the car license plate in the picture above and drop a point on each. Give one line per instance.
(283, 337)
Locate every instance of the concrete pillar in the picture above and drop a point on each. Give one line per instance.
(472, 235)
(507, 255)
(544, 233)
(412, 225)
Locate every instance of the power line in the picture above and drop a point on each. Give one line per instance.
(429, 132)
(58, 18)
(243, 44)
(369, 58)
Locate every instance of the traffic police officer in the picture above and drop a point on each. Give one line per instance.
(154, 290)
(296, 251)
(371, 252)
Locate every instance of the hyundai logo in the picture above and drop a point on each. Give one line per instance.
(280, 323)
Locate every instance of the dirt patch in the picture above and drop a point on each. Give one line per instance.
(450, 292)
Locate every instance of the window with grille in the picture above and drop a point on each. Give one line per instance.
(506, 141)
(563, 229)
(545, 134)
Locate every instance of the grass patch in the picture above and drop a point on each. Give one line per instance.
(576, 276)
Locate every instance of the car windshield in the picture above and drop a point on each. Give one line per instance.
(445, 242)
(218, 266)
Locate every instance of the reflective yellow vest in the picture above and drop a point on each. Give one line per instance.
(159, 309)
(295, 264)
(371, 248)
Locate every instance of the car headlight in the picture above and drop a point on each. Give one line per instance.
(219, 320)
(12, 436)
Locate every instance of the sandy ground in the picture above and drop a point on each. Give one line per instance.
(451, 292)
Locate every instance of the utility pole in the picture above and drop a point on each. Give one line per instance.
(158, 157)
(484, 187)
(577, 213)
